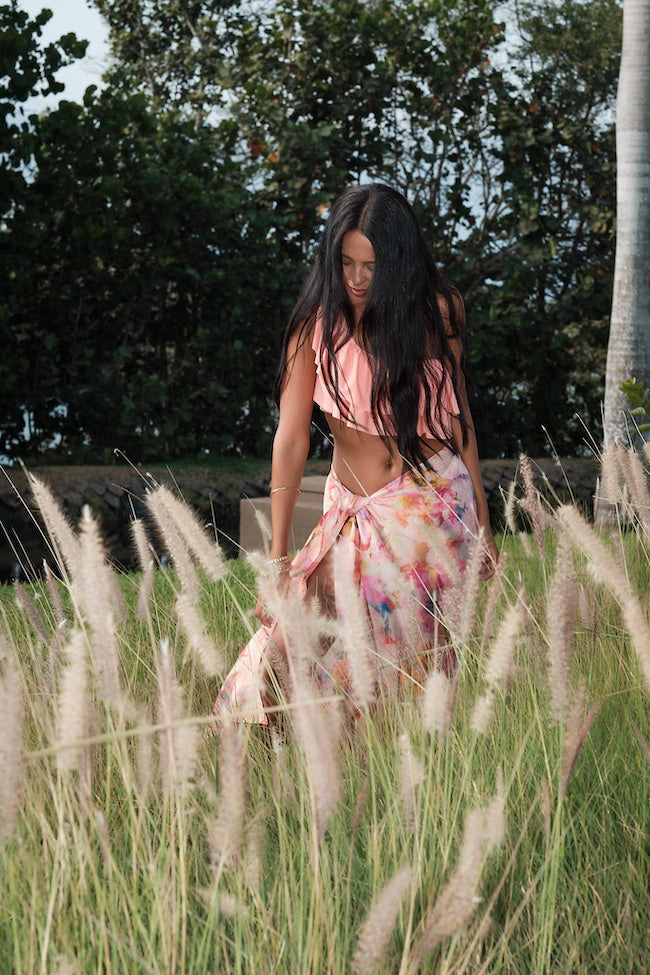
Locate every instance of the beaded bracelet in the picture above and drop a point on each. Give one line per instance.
(275, 490)
(282, 564)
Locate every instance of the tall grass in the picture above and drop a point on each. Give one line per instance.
(492, 821)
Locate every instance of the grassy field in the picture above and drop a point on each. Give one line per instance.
(496, 822)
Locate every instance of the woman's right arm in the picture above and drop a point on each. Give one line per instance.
(292, 438)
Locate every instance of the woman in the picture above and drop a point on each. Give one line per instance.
(376, 340)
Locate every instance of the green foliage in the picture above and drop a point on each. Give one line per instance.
(639, 396)
(153, 255)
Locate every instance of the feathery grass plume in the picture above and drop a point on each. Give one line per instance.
(498, 667)
(175, 543)
(317, 727)
(530, 504)
(494, 820)
(411, 777)
(646, 450)
(575, 733)
(206, 551)
(636, 479)
(611, 476)
(561, 600)
(265, 528)
(438, 702)
(495, 590)
(471, 581)
(11, 748)
(54, 592)
(485, 829)
(606, 571)
(177, 743)
(645, 747)
(92, 587)
(586, 609)
(25, 602)
(377, 929)
(354, 626)
(228, 834)
(202, 645)
(62, 536)
(145, 558)
(281, 781)
(316, 723)
(482, 713)
(509, 507)
(71, 708)
(457, 900)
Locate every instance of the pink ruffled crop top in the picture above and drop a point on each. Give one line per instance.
(355, 386)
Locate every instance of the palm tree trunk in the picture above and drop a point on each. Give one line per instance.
(628, 351)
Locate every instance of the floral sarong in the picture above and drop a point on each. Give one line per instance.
(410, 543)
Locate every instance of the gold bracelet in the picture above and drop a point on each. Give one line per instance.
(275, 490)
(280, 558)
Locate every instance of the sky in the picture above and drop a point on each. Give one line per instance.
(82, 19)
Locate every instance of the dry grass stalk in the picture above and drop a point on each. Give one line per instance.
(205, 550)
(56, 524)
(530, 504)
(71, 712)
(177, 547)
(438, 702)
(228, 833)
(560, 615)
(377, 929)
(177, 744)
(411, 777)
(201, 644)
(575, 733)
(11, 748)
(645, 747)
(354, 627)
(92, 586)
(605, 570)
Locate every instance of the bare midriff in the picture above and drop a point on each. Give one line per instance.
(362, 461)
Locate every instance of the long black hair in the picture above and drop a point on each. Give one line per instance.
(401, 324)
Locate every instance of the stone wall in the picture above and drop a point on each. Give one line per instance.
(115, 495)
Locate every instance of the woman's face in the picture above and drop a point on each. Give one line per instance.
(358, 263)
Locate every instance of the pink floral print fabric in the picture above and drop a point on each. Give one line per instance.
(409, 545)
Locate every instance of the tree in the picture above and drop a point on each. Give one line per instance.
(538, 288)
(628, 351)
